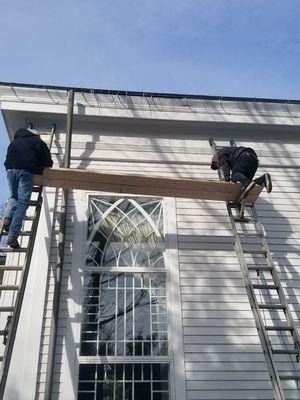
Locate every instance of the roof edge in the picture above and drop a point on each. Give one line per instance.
(149, 94)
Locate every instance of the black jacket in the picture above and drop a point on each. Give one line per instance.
(228, 157)
(28, 151)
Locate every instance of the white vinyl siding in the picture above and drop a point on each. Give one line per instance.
(222, 353)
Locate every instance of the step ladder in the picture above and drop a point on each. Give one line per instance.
(16, 273)
(275, 324)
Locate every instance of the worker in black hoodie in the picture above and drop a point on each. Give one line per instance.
(27, 155)
(239, 164)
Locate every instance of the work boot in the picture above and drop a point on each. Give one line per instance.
(6, 224)
(268, 182)
(246, 189)
(12, 242)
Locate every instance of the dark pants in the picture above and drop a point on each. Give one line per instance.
(20, 184)
(244, 168)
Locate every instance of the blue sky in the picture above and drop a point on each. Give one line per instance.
(215, 47)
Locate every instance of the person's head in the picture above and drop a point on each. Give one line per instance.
(23, 132)
(215, 162)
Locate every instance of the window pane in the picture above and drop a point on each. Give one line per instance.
(142, 314)
(119, 372)
(142, 391)
(86, 386)
(105, 391)
(85, 396)
(161, 386)
(88, 349)
(128, 372)
(137, 372)
(125, 232)
(107, 314)
(161, 396)
(160, 372)
(147, 372)
(87, 372)
(119, 391)
(128, 391)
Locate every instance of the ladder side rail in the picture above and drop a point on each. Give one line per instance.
(282, 297)
(275, 379)
(15, 317)
(215, 148)
(18, 303)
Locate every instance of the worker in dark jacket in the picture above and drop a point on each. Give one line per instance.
(239, 164)
(27, 155)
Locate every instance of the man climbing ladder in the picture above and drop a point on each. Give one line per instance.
(27, 155)
(242, 162)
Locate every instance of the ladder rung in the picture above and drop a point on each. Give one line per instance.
(289, 377)
(29, 218)
(33, 202)
(260, 268)
(272, 306)
(250, 235)
(262, 286)
(3, 333)
(286, 351)
(279, 328)
(244, 219)
(23, 233)
(6, 309)
(9, 287)
(10, 268)
(249, 251)
(9, 250)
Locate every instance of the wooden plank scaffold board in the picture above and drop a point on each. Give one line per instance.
(127, 183)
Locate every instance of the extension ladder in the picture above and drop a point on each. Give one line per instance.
(12, 294)
(276, 327)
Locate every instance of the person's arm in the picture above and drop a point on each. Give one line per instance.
(224, 163)
(45, 158)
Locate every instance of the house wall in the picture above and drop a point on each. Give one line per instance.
(222, 356)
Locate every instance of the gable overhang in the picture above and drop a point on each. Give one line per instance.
(23, 103)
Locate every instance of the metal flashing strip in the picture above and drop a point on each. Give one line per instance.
(149, 94)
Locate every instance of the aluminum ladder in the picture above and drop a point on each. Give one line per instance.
(12, 294)
(275, 324)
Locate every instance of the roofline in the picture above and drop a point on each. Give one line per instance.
(150, 94)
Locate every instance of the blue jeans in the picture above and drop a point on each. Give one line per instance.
(20, 184)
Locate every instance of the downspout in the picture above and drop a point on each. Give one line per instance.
(60, 254)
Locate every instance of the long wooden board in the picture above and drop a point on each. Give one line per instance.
(127, 183)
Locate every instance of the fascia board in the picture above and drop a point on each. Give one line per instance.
(33, 107)
(177, 114)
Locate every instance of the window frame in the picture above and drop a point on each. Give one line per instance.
(177, 383)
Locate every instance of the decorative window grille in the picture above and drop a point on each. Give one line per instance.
(124, 305)
(124, 381)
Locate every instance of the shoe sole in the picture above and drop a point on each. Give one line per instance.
(268, 183)
(248, 189)
(13, 245)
